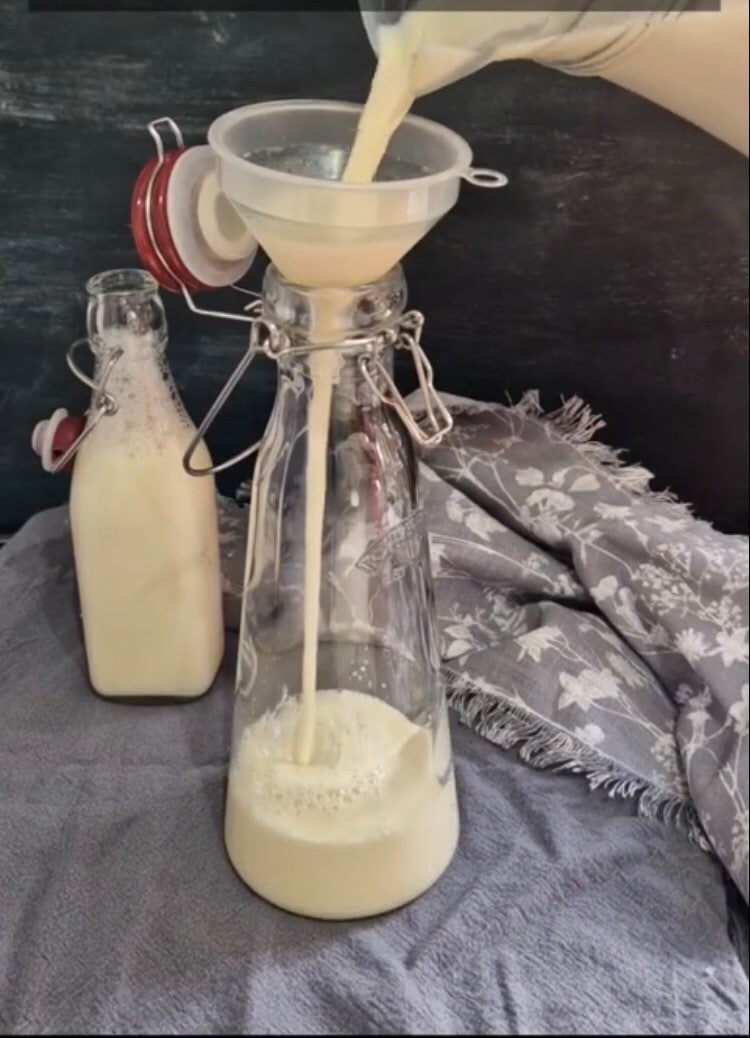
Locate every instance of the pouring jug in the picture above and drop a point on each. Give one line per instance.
(689, 56)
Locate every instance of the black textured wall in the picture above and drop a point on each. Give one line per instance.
(614, 266)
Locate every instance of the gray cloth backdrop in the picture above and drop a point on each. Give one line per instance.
(563, 912)
(595, 626)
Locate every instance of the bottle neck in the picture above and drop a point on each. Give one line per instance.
(127, 333)
(125, 315)
(344, 366)
(318, 317)
(342, 340)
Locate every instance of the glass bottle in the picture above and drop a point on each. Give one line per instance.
(144, 532)
(341, 798)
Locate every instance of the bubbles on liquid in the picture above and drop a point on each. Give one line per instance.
(324, 162)
(352, 764)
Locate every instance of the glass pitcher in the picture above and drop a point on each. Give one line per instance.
(341, 799)
(689, 56)
(451, 40)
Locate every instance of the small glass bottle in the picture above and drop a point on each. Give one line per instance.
(144, 532)
(341, 798)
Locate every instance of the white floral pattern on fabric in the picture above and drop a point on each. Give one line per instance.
(604, 630)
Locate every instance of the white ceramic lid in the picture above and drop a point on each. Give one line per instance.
(209, 236)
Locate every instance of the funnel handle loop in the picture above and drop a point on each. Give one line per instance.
(480, 177)
(269, 347)
(439, 418)
(103, 403)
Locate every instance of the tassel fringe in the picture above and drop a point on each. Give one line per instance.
(541, 746)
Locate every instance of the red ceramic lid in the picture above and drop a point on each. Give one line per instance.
(139, 229)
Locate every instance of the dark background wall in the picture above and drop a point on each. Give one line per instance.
(614, 266)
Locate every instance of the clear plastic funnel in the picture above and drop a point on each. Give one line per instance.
(279, 164)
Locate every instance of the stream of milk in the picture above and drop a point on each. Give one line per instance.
(323, 372)
(338, 806)
(694, 64)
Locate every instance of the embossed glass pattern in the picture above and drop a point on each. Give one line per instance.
(377, 629)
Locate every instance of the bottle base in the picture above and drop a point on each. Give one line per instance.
(335, 915)
(148, 700)
(342, 879)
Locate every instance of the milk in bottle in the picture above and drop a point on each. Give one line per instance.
(144, 532)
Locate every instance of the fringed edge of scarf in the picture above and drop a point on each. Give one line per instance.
(575, 423)
(506, 725)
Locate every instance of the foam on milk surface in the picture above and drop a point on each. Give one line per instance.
(362, 828)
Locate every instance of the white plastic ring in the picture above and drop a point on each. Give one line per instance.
(485, 177)
(225, 232)
(191, 211)
(43, 437)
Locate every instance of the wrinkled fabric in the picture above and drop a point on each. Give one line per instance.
(595, 624)
(563, 911)
(611, 614)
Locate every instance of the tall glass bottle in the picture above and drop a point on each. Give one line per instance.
(144, 532)
(341, 797)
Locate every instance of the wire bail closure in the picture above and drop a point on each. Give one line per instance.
(408, 337)
(267, 339)
(270, 345)
(102, 403)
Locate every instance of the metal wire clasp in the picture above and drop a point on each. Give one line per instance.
(264, 338)
(102, 402)
(269, 340)
(408, 336)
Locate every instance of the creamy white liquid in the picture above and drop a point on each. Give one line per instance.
(337, 256)
(363, 828)
(323, 369)
(146, 545)
(695, 65)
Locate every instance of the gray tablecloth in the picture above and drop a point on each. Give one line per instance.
(562, 912)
